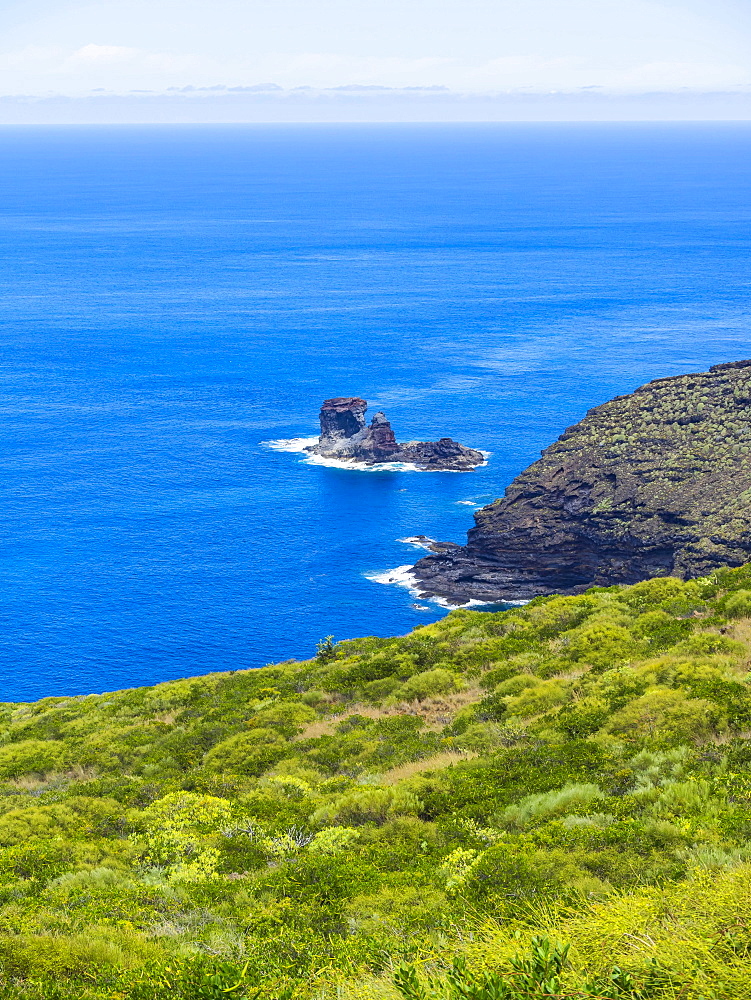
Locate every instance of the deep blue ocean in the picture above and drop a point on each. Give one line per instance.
(175, 297)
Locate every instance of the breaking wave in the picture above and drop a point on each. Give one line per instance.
(418, 542)
(295, 445)
(402, 576)
(300, 445)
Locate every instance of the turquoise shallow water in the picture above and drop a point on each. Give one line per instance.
(172, 298)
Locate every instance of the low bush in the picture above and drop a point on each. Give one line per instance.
(366, 825)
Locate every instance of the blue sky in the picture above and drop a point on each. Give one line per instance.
(485, 48)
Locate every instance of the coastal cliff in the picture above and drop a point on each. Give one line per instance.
(347, 437)
(654, 483)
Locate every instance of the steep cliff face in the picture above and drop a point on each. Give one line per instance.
(654, 483)
(346, 436)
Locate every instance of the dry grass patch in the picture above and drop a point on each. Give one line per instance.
(33, 782)
(324, 727)
(436, 763)
(570, 675)
(441, 710)
(719, 739)
(437, 712)
(741, 631)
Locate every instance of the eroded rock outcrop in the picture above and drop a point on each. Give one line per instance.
(654, 483)
(347, 437)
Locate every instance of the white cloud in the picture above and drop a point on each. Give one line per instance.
(469, 46)
(99, 54)
(685, 75)
(123, 69)
(119, 68)
(136, 63)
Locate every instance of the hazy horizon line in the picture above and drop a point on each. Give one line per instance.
(269, 103)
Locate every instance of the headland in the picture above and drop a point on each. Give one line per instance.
(655, 483)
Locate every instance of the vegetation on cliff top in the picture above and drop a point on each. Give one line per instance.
(675, 450)
(549, 801)
(657, 482)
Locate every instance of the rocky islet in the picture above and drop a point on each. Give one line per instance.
(346, 436)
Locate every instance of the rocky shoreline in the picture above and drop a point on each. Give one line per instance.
(346, 436)
(654, 483)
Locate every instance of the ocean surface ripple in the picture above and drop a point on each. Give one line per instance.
(175, 299)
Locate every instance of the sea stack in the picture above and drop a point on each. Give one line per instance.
(655, 483)
(346, 437)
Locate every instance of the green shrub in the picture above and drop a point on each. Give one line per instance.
(509, 873)
(709, 644)
(29, 757)
(515, 685)
(535, 700)
(428, 684)
(668, 716)
(38, 859)
(535, 975)
(368, 805)
(738, 604)
(561, 801)
(583, 718)
(601, 643)
(585, 794)
(250, 753)
(660, 629)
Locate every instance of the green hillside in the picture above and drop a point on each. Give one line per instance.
(549, 801)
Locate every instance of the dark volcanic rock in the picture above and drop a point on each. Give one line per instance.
(342, 418)
(379, 442)
(654, 483)
(346, 436)
(442, 454)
